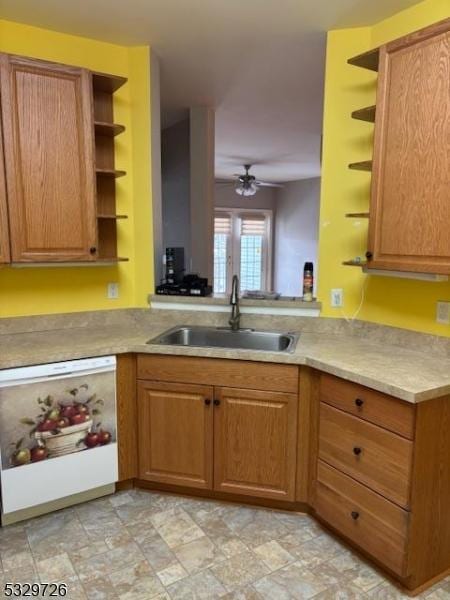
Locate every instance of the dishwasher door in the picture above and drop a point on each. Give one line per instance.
(57, 431)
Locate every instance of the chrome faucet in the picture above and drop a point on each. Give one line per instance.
(235, 319)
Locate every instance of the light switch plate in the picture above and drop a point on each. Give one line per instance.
(443, 313)
(113, 291)
(337, 297)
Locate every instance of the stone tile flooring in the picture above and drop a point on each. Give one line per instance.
(139, 545)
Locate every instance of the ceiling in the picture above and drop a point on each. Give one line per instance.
(260, 63)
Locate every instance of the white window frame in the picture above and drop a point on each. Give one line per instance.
(234, 243)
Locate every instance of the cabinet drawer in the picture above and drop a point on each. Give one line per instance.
(376, 457)
(220, 372)
(373, 406)
(370, 521)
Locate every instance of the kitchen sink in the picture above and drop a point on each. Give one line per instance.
(222, 337)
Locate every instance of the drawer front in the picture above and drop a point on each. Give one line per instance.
(373, 406)
(376, 457)
(373, 523)
(220, 372)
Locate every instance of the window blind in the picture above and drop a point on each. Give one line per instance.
(253, 224)
(222, 224)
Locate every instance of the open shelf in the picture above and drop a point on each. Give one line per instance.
(104, 216)
(366, 60)
(354, 263)
(364, 165)
(110, 173)
(360, 215)
(365, 114)
(107, 83)
(108, 129)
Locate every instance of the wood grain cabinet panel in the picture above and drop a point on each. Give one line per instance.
(410, 206)
(4, 226)
(373, 523)
(175, 424)
(373, 456)
(49, 157)
(255, 437)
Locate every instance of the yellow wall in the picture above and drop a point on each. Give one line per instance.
(48, 290)
(398, 302)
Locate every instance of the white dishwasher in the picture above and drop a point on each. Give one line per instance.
(57, 435)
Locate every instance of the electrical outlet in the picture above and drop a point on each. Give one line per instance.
(443, 313)
(337, 297)
(113, 291)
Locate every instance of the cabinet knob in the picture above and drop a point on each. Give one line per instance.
(216, 402)
(359, 402)
(369, 255)
(92, 249)
(357, 451)
(354, 515)
(207, 401)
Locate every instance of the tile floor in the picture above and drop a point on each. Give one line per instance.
(139, 545)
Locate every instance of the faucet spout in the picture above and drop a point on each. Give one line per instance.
(235, 319)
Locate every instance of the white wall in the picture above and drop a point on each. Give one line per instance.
(296, 234)
(175, 169)
(226, 197)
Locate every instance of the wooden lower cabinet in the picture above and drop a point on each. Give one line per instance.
(255, 440)
(175, 425)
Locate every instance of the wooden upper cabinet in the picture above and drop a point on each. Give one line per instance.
(48, 132)
(175, 424)
(255, 441)
(410, 206)
(4, 228)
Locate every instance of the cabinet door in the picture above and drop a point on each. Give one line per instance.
(4, 227)
(50, 172)
(255, 438)
(175, 423)
(410, 207)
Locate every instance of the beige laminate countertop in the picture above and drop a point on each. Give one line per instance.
(407, 374)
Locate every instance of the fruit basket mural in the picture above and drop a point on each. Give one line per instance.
(56, 421)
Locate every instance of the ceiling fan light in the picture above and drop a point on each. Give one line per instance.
(248, 189)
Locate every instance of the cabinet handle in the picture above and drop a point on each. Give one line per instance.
(207, 401)
(359, 402)
(216, 402)
(357, 451)
(92, 249)
(354, 515)
(369, 255)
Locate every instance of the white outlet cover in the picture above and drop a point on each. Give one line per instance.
(443, 313)
(113, 291)
(337, 297)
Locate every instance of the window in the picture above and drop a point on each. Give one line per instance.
(242, 246)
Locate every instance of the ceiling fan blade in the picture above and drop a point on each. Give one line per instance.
(267, 184)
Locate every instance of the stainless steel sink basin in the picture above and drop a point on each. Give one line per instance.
(220, 337)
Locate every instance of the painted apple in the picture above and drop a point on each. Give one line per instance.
(104, 437)
(78, 418)
(38, 453)
(82, 409)
(21, 457)
(62, 422)
(92, 439)
(68, 411)
(53, 415)
(47, 425)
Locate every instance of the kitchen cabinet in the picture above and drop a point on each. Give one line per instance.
(255, 438)
(57, 188)
(4, 227)
(213, 435)
(47, 128)
(410, 194)
(382, 477)
(175, 424)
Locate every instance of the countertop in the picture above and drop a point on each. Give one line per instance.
(406, 374)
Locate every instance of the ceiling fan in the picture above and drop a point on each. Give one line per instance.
(248, 185)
